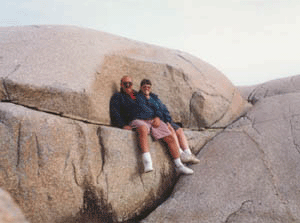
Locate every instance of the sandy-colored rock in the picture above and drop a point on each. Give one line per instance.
(63, 170)
(74, 71)
(9, 210)
(271, 88)
(198, 139)
(248, 173)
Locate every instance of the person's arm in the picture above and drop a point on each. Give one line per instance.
(115, 112)
(156, 106)
(164, 112)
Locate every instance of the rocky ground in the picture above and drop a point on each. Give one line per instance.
(60, 161)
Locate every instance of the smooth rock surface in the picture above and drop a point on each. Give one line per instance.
(248, 173)
(63, 170)
(280, 86)
(9, 210)
(74, 71)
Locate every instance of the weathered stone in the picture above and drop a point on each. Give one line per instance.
(271, 88)
(63, 170)
(248, 173)
(9, 210)
(74, 71)
(198, 139)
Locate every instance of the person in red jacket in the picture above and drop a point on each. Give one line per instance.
(153, 101)
(128, 112)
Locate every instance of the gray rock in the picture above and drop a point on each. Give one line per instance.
(271, 88)
(73, 72)
(63, 170)
(248, 173)
(59, 158)
(9, 210)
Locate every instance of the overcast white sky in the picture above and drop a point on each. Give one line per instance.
(250, 41)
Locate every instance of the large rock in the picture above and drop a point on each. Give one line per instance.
(9, 210)
(280, 86)
(63, 170)
(248, 173)
(74, 71)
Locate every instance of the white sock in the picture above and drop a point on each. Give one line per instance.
(187, 151)
(180, 151)
(146, 157)
(178, 162)
(147, 161)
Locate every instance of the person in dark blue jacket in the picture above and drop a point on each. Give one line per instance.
(146, 96)
(128, 111)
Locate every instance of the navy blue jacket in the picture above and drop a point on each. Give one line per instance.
(154, 104)
(123, 109)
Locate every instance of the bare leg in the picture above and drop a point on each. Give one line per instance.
(186, 155)
(142, 133)
(172, 146)
(182, 139)
(174, 134)
(180, 168)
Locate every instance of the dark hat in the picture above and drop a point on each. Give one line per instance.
(145, 81)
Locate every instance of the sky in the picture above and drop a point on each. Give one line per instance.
(249, 41)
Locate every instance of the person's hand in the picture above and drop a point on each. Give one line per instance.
(169, 126)
(156, 122)
(127, 127)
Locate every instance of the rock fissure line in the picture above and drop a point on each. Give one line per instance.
(236, 212)
(252, 94)
(6, 91)
(107, 188)
(172, 74)
(270, 120)
(39, 155)
(196, 68)
(75, 174)
(102, 148)
(268, 167)
(253, 122)
(190, 62)
(222, 116)
(292, 131)
(214, 95)
(57, 114)
(14, 70)
(18, 145)
(225, 112)
(266, 93)
(67, 159)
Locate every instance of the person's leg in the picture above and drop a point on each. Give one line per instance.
(142, 130)
(186, 155)
(163, 132)
(142, 133)
(182, 139)
(173, 148)
(175, 137)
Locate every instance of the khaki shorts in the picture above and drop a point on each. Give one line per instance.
(158, 133)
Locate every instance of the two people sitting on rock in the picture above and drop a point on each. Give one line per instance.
(144, 112)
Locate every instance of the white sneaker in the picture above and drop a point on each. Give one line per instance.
(189, 158)
(184, 170)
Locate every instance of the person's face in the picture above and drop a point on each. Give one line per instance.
(126, 84)
(146, 89)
